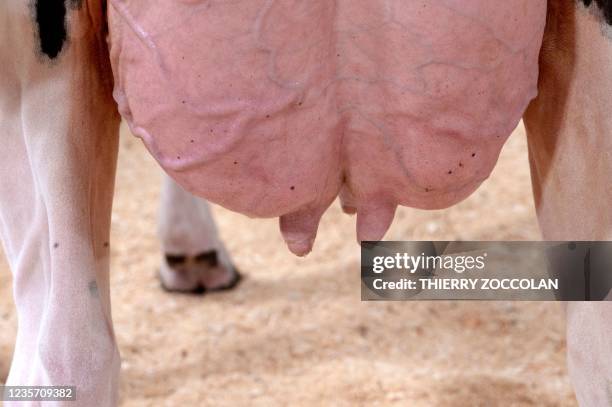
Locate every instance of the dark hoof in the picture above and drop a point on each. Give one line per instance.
(180, 282)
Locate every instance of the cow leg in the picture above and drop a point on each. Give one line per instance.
(194, 258)
(58, 136)
(570, 144)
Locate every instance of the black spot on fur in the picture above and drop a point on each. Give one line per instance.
(605, 6)
(50, 18)
(93, 288)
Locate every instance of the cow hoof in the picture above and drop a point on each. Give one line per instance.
(197, 274)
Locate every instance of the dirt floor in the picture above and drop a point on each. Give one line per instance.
(295, 332)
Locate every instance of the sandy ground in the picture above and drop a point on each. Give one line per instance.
(295, 332)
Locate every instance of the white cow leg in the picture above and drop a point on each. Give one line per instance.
(570, 141)
(589, 351)
(58, 136)
(194, 258)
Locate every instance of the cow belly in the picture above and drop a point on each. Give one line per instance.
(274, 107)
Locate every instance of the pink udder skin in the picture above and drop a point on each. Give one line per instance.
(274, 108)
